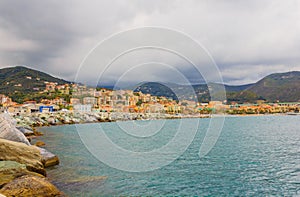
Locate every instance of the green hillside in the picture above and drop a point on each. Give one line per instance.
(199, 92)
(282, 87)
(18, 82)
(22, 83)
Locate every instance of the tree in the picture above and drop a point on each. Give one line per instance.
(139, 103)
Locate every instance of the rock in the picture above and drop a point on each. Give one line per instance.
(84, 182)
(40, 143)
(30, 186)
(51, 121)
(89, 118)
(13, 134)
(86, 179)
(25, 131)
(10, 170)
(66, 120)
(48, 158)
(9, 131)
(22, 153)
(75, 120)
(57, 122)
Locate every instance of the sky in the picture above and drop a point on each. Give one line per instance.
(246, 40)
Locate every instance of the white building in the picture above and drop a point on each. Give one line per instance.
(82, 108)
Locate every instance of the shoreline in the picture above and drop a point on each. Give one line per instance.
(37, 120)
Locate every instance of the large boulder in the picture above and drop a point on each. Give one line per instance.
(10, 170)
(22, 153)
(48, 158)
(9, 131)
(30, 186)
(26, 131)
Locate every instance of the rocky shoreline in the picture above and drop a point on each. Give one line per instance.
(22, 165)
(60, 118)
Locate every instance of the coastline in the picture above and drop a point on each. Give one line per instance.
(36, 120)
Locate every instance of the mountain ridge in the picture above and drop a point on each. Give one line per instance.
(283, 87)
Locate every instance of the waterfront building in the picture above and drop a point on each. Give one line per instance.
(89, 101)
(74, 101)
(82, 108)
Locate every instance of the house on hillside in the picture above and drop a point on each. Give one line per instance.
(19, 109)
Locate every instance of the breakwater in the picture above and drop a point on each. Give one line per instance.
(59, 118)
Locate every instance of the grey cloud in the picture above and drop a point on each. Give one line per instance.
(53, 27)
(247, 39)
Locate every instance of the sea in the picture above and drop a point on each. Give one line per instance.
(250, 156)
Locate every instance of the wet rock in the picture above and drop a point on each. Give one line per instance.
(39, 143)
(86, 179)
(22, 153)
(84, 182)
(48, 158)
(30, 186)
(10, 170)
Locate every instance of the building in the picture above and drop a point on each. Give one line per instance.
(89, 101)
(156, 108)
(50, 86)
(104, 98)
(45, 109)
(75, 101)
(82, 108)
(64, 89)
(19, 109)
(5, 100)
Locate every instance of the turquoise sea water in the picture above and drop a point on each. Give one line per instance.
(254, 156)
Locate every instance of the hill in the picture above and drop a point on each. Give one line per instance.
(199, 92)
(18, 81)
(22, 83)
(278, 87)
(283, 87)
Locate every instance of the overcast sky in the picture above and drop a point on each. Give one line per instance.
(247, 39)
